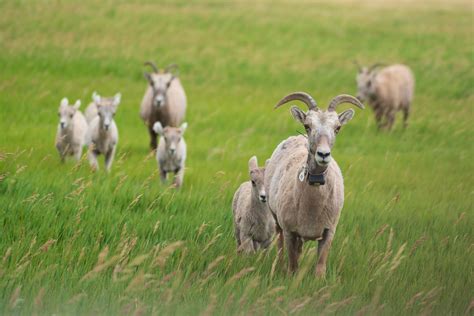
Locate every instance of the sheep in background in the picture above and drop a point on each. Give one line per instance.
(103, 133)
(164, 100)
(304, 184)
(254, 225)
(171, 152)
(91, 110)
(387, 91)
(72, 129)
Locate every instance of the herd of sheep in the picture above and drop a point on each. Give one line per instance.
(298, 195)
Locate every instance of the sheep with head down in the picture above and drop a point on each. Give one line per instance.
(164, 100)
(71, 132)
(303, 182)
(387, 91)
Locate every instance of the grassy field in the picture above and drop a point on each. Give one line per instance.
(75, 242)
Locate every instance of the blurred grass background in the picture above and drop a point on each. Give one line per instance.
(73, 242)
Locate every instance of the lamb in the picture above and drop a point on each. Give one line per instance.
(91, 110)
(387, 91)
(72, 129)
(164, 100)
(171, 152)
(254, 225)
(304, 183)
(103, 132)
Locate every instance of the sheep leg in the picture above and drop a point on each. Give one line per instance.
(390, 119)
(237, 234)
(293, 246)
(406, 114)
(280, 243)
(78, 153)
(378, 118)
(109, 158)
(323, 251)
(92, 155)
(178, 178)
(163, 176)
(153, 142)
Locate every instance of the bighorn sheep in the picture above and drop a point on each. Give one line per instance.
(164, 100)
(72, 129)
(304, 184)
(171, 152)
(91, 110)
(254, 225)
(103, 133)
(387, 91)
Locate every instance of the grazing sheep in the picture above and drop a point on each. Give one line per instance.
(171, 152)
(72, 129)
(254, 225)
(103, 133)
(164, 100)
(387, 91)
(304, 184)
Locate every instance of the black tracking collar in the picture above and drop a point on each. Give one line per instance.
(312, 179)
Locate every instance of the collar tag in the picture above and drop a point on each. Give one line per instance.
(302, 175)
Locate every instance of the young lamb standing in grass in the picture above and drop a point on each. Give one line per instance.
(387, 91)
(164, 100)
(171, 152)
(72, 129)
(254, 225)
(103, 133)
(304, 184)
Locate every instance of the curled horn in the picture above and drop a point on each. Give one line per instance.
(359, 66)
(152, 65)
(301, 96)
(171, 68)
(344, 98)
(375, 66)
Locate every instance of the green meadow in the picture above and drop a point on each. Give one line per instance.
(75, 242)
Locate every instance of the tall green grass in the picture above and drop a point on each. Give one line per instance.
(76, 242)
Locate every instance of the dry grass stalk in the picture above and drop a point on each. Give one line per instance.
(76, 298)
(7, 255)
(211, 306)
(210, 243)
(135, 201)
(99, 268)
(299, 304)
(239, 275)
(381, 230)
(15, 298)
(417, 243)
(460, 218)
(165, 253)
(250, 286)
(45, 247)
(122, 180)
(38, 302)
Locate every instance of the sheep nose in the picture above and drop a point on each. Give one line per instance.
(172, 150)
(263, 197)
(323, 154)
(63, 124)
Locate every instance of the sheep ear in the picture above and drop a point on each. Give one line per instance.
(346, 116)
(117, 99)
(77, 105)
(158, 128)
(298, 114)
(183, 127)
(64, 102)
(96, 97)
(253, 163)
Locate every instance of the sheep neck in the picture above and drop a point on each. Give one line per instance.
(315, 173)
(257, 205)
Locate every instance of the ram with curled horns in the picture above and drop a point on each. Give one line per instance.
(303, 182)
(164, 100)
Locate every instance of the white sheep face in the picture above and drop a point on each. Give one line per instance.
(160, 84)
(106, 108)
(257, 176)
(172, 136)
(321, 128)
(66, 112)
(365, 87)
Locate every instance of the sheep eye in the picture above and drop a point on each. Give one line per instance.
(337, 129)
(307, 128)
(70, 115)
(253, 183)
